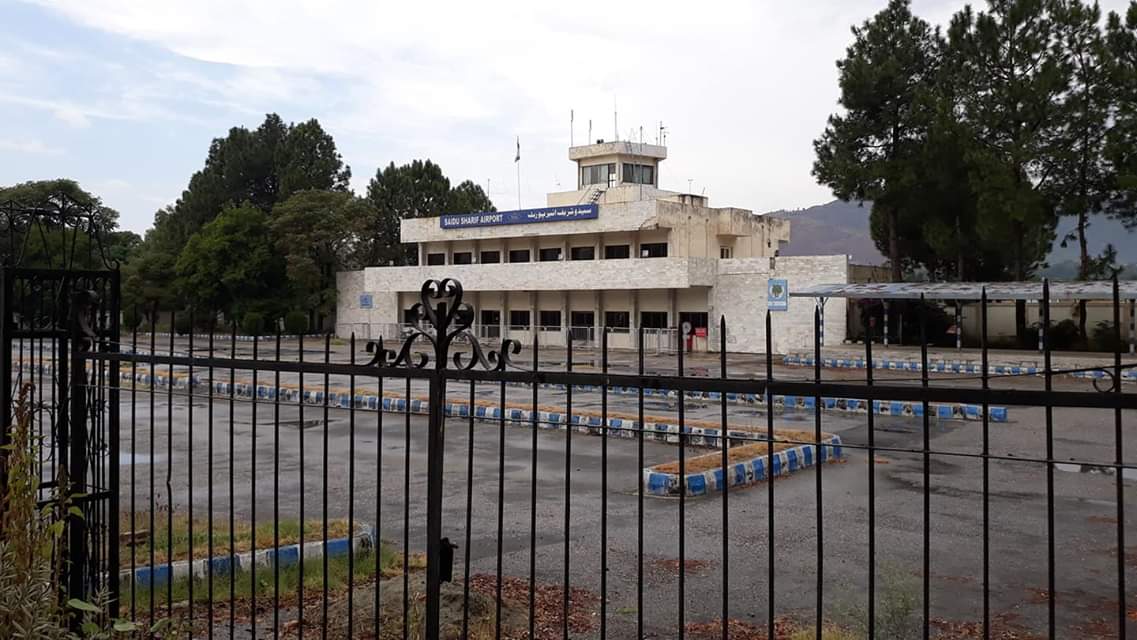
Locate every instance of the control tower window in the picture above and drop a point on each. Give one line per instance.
(602, 174)
(639, 173)
(435, 258)
(653, 250)
(617, 251)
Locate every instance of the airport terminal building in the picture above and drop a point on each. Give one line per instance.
(616, 252)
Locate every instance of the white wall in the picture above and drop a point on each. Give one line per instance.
(740, 296)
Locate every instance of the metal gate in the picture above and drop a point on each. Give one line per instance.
(59, 302)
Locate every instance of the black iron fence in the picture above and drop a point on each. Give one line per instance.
(285, 487)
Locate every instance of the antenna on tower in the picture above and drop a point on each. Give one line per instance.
(570, 126)
(615, 120)
(590, 131)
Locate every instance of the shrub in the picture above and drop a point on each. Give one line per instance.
(1104, 339)
(1063, 335)
(182, 323)
(131, 318)
(295, 322)
(253, 323)
(30, 603)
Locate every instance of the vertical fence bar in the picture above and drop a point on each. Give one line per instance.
(568, 486)
(727, 472)
(986, 385)
(1048, 380)
(351, 492)
(378, 530)
(770, 630)
(300, 434)
(232, 488)
(640, 493)
(324, 500)
(469, 511)
(872, 485)
(819, 323)
(682, 499)
(253, 481)
(114, 461)
(153, 378)
(927, 460)
(533, 494)
(407, 508)
(77, 470)
(170, 473)
(604, 484)
(133, 457)
(276, 492)
(209, 484)
(435, 457)
(500, 506)
(1119, 459)
(189, 462)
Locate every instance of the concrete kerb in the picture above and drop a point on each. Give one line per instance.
(951, 366)
(907, 409)
(287, 555)
(740, 474)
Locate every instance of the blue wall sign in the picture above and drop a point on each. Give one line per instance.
(777, 294)
(522, 216)
(365, 301)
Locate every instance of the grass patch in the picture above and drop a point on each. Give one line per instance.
(711, 461)
(390, 563)
(174, 543)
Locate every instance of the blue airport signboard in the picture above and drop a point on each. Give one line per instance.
(522, 216)
(365, 301)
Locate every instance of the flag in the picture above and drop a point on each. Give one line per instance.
(517, 158)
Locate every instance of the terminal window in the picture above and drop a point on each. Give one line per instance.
(583, 253)
(463, 257)
(436, 258)
(550, 319)
(519, 319)
(551, 254)
(617, 251)
(653, 319)
(618, 321)
(519, 255)
(490, 257)
(639, 173)
(597, 174)
(653, 250)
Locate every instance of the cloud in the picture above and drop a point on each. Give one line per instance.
(744, 86)
(29, 146)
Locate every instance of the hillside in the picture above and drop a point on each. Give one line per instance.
(843, 227)
(833, 228)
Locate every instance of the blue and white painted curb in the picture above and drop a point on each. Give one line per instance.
(741, 474)
(222, 338)
(159, 574)
(907, 409)
(952, 366)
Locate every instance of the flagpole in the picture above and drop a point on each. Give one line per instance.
(517, 161)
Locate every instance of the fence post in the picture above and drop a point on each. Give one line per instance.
(82, 303)
(434, 457)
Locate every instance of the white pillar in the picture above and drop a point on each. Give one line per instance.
(885, 323)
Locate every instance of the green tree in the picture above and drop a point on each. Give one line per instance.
(867, 153)
(1012, 75)
(231, 266)
(415, 190)
(469, 197)
(261, 167)
(1121, 143)
(317, 234)
(1083, 181)
(52, 245)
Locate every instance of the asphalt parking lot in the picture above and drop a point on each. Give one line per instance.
(1085, 503)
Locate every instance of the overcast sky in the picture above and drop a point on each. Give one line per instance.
(125, 96)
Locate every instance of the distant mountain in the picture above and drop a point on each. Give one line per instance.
(843, 227)
(831, 229)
